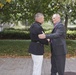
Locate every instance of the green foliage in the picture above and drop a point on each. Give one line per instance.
(14, 34)
(24, 33)
(3, 1)
(5, 11)
(23, 10)
(71, 34)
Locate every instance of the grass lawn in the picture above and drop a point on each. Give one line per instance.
(20, 48)
(14, 47)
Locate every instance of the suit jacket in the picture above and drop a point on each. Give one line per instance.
(37, 45)
(58, 42)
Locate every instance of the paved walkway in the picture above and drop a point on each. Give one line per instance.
(23, 66)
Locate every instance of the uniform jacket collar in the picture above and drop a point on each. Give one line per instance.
(38, 22)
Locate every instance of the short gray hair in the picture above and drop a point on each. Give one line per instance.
(38, 15)
(54, 15)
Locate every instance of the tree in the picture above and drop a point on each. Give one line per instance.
(24, 10)
(66, 8)
(4, 10)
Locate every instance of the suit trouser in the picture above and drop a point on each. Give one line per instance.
(37, 64)
(58, 64)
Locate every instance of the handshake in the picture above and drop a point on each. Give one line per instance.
(43, 36)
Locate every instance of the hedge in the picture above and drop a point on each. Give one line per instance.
(71, 34)
(14, 34)
(24, 34)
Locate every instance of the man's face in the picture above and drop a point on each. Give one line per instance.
(42, 19)
(54, 19)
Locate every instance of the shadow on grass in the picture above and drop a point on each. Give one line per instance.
(70, 73)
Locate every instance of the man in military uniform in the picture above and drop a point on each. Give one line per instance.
(36, 47)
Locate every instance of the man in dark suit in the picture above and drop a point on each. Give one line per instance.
(58, 46)
(36, 47)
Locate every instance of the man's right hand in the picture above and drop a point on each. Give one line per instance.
(42, 36)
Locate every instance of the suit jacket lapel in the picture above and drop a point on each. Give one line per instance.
(55, 27)
(53, 30)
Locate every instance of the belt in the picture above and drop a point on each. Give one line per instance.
(37, 42)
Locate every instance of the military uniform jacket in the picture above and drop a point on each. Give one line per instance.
(37, 45)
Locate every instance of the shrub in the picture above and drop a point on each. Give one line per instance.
(71, 34)
(14, 34)
(72, 28)
(24, 34)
